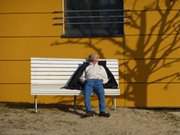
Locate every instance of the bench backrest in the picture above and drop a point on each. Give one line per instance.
(57, 71)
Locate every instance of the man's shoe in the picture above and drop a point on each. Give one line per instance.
(89, 114)
(104, 114)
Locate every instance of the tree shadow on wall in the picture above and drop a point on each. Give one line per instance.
(150, 54)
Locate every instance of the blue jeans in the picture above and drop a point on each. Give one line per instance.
(97, 87)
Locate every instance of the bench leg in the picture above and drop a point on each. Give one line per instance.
(35, 103)
(114, 102)
(75, 107)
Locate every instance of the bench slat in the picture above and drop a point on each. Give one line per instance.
(60, 73)
(57, 77)
(58, 91)
(61, 82)
(68, 62)
(63, 65)
(64, 69)
(65, 59)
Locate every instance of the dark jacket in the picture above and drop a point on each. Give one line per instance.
(74, 82)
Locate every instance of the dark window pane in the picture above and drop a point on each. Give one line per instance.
(89, 18)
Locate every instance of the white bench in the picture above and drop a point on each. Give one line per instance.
(50, 75)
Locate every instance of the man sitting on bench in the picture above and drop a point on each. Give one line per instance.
(93, 78)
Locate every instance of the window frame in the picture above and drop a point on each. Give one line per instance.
(64, 6)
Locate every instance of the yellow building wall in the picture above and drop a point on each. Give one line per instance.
(148, 52)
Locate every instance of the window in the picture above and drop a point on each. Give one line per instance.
(93, 18)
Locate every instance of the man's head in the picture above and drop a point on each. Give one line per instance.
(94, 58)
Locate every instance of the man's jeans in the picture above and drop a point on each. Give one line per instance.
(97, 87)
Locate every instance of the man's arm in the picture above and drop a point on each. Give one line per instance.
(104, 75)
(83, 78)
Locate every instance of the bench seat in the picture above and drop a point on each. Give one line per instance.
(56, 90)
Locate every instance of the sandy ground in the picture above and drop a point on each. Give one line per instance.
(20, 119)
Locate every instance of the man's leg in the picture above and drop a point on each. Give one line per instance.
(99, 90)
(88, 88)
